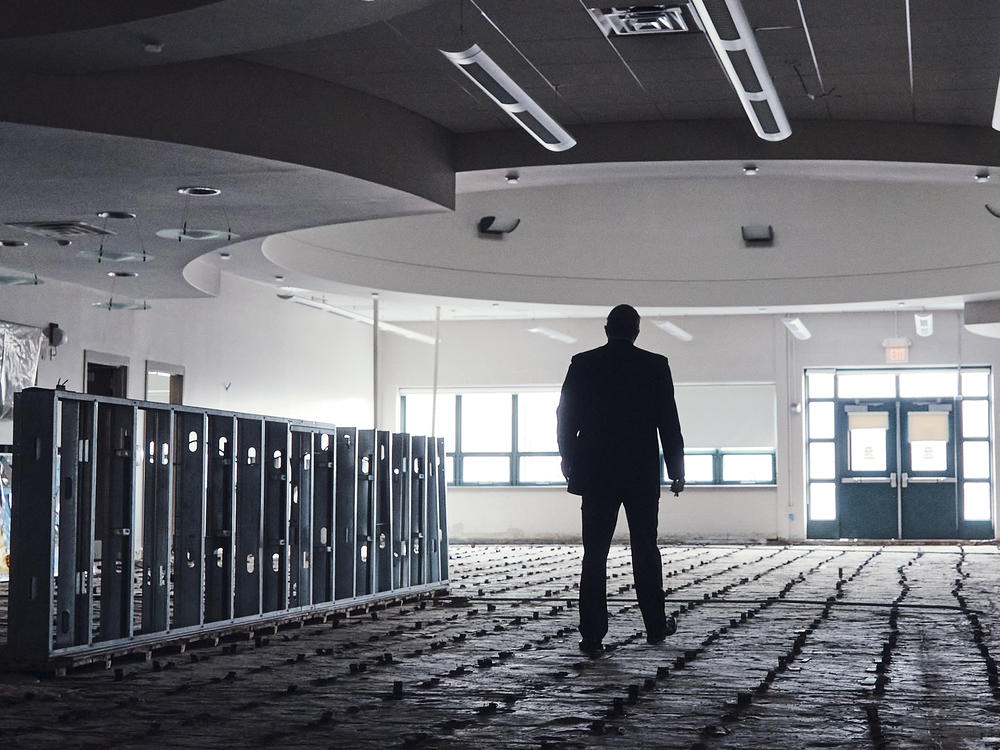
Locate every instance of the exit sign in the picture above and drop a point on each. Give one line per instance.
(897, 350)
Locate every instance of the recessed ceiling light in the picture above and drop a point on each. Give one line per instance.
(198, 191)
(115, 215)
(20, 281)
(110, 256)
(279, 277)
(512, 178)
(12, 243)
(122, 274)
(152, 46)
(225, 256)
(190, 233)
(113, 304)
(750, 170)
(983, 175)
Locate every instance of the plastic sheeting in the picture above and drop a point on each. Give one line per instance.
(20, 349)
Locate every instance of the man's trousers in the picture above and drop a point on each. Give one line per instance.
(600, 514)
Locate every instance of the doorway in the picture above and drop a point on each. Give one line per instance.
(899, 454)
(105, 374)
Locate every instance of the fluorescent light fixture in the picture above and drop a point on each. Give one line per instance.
(996, 110)
(510, 97)
(797, 328)
(924, 323)
(553, 334)
(731, 36)
(360, 318)
(674, 330)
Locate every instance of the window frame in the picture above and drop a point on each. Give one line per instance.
(458, 456)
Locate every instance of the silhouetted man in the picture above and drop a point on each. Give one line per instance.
(615, 400)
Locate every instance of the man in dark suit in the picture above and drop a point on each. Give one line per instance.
(614, 402)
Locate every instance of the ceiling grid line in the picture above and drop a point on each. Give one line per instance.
(812, 49)
(628, 67)
(909, 53)
(555, 89)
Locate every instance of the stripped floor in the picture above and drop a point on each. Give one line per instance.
(777, 647)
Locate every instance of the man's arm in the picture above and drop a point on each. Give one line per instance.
(568, 418)
(669, 427)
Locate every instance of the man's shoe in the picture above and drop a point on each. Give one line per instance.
(659, 636)
(591, 648)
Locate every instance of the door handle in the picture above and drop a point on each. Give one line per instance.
(905, 479)
(892, 480)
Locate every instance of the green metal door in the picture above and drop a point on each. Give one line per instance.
(928, 483)
(868, 469)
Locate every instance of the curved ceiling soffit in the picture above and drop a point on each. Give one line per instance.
(696, 140)
(69, 36)
(244, 108)
(70, 175)
(673, 242)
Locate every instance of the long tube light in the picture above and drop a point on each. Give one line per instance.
(797, 328)
(552, 333)
(511, 98)
(732, 38)
(351, 315)
(996, 110)
(673, 329)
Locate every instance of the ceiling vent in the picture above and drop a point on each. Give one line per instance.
(58, 230)
(632, 20)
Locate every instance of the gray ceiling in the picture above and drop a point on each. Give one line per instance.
(861, 48)
(296, 108)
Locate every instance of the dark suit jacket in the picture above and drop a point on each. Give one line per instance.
(614, 401)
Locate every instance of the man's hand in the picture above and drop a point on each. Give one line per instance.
(677, 487)
(565, 468)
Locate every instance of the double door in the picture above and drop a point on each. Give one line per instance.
(896, 472)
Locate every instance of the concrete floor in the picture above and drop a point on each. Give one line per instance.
(777, 647)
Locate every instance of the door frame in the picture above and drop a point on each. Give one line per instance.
(826, 398)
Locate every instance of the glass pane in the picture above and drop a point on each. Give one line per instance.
(822, 462)
(928, 455)
(976, 460)
(536, 422)
(867, 446)
(866, 385)
(698, 467)
(820, 420)
(158, 386)
(540, 469)
(822, 502)
(820, 384)
(976, 383)
(929, 383)
(486, 422)
(486, 469)
(977, 501)
(738, 467)
(449, 469)
(418, 416)
(976, 419)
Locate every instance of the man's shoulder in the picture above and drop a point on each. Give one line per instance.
(590, 354)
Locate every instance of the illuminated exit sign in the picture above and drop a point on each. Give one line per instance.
(897, 350)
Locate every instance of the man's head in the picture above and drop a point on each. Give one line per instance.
(623, 323)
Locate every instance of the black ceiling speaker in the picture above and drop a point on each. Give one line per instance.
(488, 226)
(758, 234)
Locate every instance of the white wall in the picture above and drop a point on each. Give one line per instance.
(725, 349)
(283, 359)
(275, 357)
